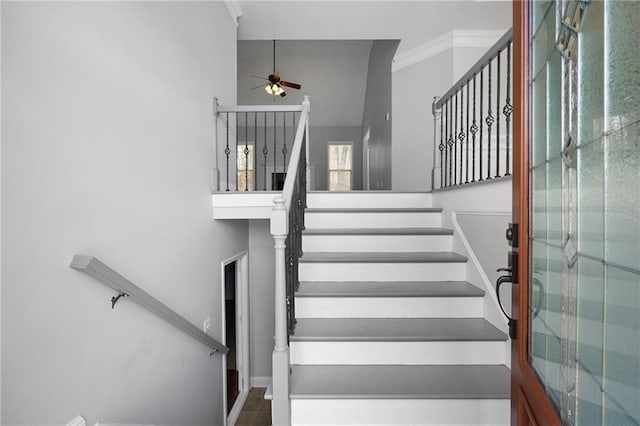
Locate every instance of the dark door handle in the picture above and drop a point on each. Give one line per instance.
(512, 323)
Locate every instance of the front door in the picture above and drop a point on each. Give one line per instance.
(576, 355)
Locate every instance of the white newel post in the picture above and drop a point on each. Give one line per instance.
(306, 105)
(215, 174)
(281, 409)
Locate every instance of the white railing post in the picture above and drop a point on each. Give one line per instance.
(215, 173)
(307, 105)
(280, 409)
(435, 170)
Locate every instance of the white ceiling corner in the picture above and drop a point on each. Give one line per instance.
(233, 6)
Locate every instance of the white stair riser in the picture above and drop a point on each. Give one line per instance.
(400, 412)
(361, 200)
(382, 271)
(395, 353)
(376, 243)
(326, 220)
(388, 307)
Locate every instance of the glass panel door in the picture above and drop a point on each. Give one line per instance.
(584, 174)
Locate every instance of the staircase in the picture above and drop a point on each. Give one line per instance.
(388, 330)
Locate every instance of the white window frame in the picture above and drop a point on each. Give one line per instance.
(329, 170)
(251, 169)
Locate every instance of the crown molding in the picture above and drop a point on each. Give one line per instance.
(233, 7)
(450, 40)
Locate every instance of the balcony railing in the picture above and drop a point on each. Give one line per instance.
(472, 122)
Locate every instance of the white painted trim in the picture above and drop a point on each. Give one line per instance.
(237, 408)
(242, 331)
(482, 213)
(450, 40)
(260, 381)
(234, 9)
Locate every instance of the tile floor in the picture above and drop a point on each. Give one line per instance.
(256, 410)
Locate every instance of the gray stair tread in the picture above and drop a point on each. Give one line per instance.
(375, 210)
(383, 257)
(395, 330)
(378, 231)
(389, 289)
(400, 382)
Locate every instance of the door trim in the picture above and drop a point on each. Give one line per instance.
(242, 335)
(528, 398)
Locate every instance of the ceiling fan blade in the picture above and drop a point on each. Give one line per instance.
(291, 85)
(261, 78)
(254, 88)
(283, 94)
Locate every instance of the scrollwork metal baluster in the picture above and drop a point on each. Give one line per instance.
(441, 147)
(508, 109)
(498, 115)
(474, 130)
(489, 120)
(450, 141)
(481, 115)
(462, 135)
(284, 148)
(265, 151)
(227, 150)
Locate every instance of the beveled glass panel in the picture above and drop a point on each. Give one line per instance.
(622, 196)
(537, 310)
(539, 202)
(590, 75)
(554, 105)
(544, 41)
(622, 347)
(539, 139)
(591, 199)
(554, 202)
(589, 340)
(540, 10)
(622, 42)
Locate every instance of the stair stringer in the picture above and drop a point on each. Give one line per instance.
(477, 276)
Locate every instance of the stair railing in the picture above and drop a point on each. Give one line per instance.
(287, 224)
(471, 145)
(254, 143)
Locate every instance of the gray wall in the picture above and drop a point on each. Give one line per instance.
(377, 112)
(106, 143)
(319, 137)
(262, 297)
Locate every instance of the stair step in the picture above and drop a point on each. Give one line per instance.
(396, 330)
(401, 394)
(417, 341)
(373, 218)
(400, 382)
(362, 289)
(383, 257)
(368, 199)
(389, 300)
(378, 240)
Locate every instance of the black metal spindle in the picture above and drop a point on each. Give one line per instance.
(441, 147)
(246, 151)
(474, 130)
(265, 152)
(450, 141)
(275, 151)
(455, 141)
(461, 136)
(508, 109)
(489, 121)
(236, 152)
(481, 121)
(498, 115)
(254, 172)
(467, 146)
(227, 150)
(284, 147)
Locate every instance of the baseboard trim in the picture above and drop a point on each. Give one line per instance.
(237, 408)
(260, 382)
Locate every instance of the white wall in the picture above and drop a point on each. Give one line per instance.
(377, 117)
(107, 151)
(262, 297)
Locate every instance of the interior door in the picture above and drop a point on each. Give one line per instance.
(576, 204)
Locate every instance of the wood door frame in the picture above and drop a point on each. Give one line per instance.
(529, 402)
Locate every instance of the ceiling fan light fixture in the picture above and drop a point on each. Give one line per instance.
(269, 89)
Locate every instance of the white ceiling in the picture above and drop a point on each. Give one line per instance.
(332, 73)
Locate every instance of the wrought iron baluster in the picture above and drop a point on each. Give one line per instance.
(455, 141)
(246, 151)
(450, 141)
(461, 136)
(275, 151)
(508, 109)
(481, 116)
(441, 148)
(284, 148)
(474, 130)
(467, 146)
(265, 151)
(489, 121)
(498, 115)
(227, 150)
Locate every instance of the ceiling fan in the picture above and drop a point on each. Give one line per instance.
(275, 83)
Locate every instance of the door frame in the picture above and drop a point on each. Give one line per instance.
(242, 335)
(529, 402)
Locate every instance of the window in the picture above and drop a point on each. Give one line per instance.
(340, 166)
(244, 167)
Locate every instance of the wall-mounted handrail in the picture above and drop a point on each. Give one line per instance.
(103, 273)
